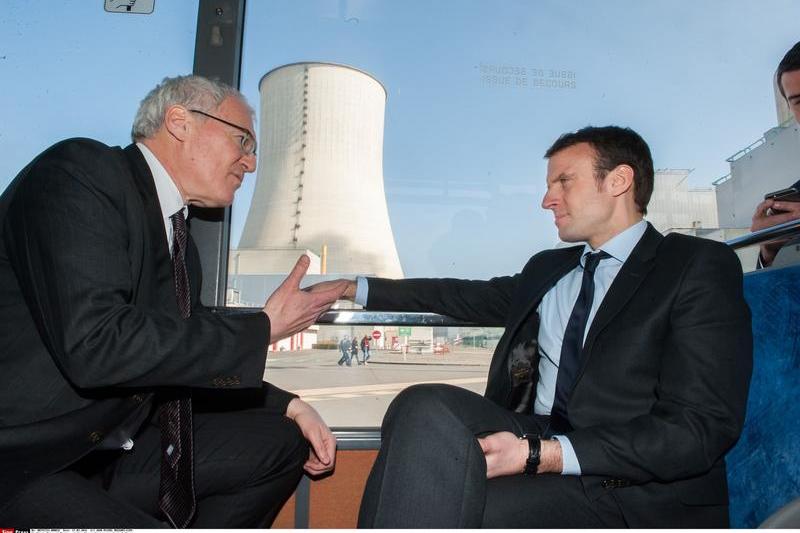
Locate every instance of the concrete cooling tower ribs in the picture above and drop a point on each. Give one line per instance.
(301, 172)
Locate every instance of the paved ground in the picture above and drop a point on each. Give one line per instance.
(359, 395)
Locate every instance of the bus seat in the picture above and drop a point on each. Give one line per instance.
(764, 466)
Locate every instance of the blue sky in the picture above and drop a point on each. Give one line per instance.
(462, 156)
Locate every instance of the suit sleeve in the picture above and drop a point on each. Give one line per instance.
(277, 400)
(68, 234)
(704, 374)
(484, 302)
(270, 398)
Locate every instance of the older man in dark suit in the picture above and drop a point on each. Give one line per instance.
(618, 385)
(124, 402)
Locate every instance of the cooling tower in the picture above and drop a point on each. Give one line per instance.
(320, 172)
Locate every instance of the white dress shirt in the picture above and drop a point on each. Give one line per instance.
(169, 197)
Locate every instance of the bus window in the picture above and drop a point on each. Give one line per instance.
(72, 69)
(407, 140)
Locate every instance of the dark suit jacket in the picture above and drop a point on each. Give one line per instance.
(89, 325)
(665, 368)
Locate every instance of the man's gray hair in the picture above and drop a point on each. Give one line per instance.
(192, 92)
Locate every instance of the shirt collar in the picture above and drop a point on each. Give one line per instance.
(620, 245)
(169, 197)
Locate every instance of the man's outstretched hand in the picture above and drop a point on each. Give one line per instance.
(291, 310)
(349, 291)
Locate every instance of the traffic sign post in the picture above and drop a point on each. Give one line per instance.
(405, 333)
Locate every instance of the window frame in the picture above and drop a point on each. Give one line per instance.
(220, 59)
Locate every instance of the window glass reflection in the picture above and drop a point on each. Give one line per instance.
(71, 69)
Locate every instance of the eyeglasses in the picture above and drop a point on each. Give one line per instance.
(247, 142)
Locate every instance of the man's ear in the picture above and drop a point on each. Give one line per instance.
(620, 180)
(177, 122)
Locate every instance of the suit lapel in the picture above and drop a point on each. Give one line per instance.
(544, 272)
(153, 218)
(154, 247)
(625, 285)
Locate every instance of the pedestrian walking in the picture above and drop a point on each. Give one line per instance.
(365, 349)
(344, 346)
(354, 350)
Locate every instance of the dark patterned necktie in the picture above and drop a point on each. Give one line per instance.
(572, 345)
(176, 497)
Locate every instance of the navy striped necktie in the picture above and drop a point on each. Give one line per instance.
(572, 345)
(176, 497)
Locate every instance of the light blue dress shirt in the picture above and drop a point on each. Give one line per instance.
(554, 311)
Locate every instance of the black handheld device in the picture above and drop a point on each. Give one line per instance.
(790, 194)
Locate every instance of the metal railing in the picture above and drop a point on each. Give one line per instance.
(747, 149)
(758, 142)
(774, 233)
(723, 179)
(363, 317)
(358, 317)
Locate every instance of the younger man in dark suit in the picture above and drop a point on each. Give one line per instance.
(618, 385)
(773, 212)
(124, 402)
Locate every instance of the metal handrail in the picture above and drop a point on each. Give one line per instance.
(363, 317)
(357, 438)
(774, 233)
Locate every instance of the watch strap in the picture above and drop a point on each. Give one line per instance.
(534, 453)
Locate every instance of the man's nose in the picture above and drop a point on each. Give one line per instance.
(249, 162)
(549, 200)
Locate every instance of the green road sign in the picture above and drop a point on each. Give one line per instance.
(404, 331)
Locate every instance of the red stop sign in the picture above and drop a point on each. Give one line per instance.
(376, 334)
